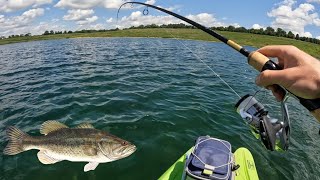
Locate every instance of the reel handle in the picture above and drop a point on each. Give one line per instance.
(260, 62)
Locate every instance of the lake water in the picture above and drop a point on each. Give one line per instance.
(151, 92)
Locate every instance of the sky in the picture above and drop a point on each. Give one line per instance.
(36, 16)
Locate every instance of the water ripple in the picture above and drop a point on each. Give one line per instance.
(153, 92)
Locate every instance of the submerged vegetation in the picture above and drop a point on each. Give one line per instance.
(251, 37)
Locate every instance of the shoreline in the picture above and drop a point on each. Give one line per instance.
(244, 39)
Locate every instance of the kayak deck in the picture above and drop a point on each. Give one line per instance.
(243, 157)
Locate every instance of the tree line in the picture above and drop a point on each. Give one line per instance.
(267, 31)
(79, 31)
(17, 35)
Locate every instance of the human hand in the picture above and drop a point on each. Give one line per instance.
(300, 74)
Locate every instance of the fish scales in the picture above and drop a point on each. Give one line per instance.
(82, 143)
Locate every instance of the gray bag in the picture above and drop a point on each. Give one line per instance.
(211, 159)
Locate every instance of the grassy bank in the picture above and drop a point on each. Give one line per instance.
(254, 40)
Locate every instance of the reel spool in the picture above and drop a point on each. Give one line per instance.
(274, 133)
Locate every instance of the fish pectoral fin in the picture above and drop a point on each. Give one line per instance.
(50, 126)
(84, 126)
(90, 166)
(45, 159)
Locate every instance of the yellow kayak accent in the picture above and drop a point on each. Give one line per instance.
(247, 169)
(243, 157)
(176, 170)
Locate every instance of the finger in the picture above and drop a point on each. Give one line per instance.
(277, 93)
(270, 77)
(274, 51)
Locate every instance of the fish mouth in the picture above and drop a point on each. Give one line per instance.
(129, 150)
(124, 152)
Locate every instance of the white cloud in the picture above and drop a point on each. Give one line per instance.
(204, 18)
(175, 7)
(294, 19)
(318, 37)
(19, 24)
(110, 20)
(84, 4)
(81, 16)
(137, 18)
(97, 26)
(78, 14)
(112, 4)
(46, 26)
(257, 26)
(307, 34)
(316, 22)
(150, 2)
(32, 13)
(88, 20)
(14, 5)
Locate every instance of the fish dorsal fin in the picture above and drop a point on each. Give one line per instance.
(45, 159)
(84, 126)
(50, 126)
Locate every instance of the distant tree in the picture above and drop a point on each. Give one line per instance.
(64, 32)
(231, 28)
(290, 35)
(241, 29)
(141, 27)
(256, 31)
(281, 33)
(51, 32)
(221, 28)
(297, 37)
(269, 31)
(28, 34)
(308, 39)
(69, 32)
(302, 38)
(46, 33)
(151, 26)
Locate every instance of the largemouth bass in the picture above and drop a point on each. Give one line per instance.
(82, 143)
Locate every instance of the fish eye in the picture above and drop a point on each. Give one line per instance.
(124, 143)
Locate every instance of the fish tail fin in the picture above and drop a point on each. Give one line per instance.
(15, 144)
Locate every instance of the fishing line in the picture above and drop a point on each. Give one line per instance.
(273, 134)
(146, 12)
(198, 58)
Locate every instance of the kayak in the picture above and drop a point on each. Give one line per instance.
(243, 158)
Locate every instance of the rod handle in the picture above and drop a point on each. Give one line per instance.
(260, 62)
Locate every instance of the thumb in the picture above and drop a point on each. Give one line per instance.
(270, 77)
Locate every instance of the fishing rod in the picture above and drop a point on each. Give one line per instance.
(268, 131)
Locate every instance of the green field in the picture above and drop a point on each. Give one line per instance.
(194, 34)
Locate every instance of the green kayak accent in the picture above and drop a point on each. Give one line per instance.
(243, 157)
